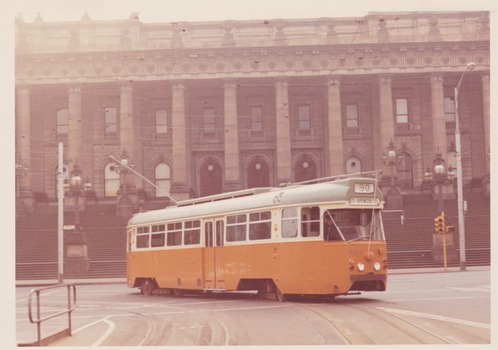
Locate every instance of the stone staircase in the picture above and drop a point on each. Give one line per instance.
(410, 244)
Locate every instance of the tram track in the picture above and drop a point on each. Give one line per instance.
(374, 326)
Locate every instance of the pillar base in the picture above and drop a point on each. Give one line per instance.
(485, 186)
(125, 207)
(394, 200)
(26, 201)
(180, 192)
(231, 186)
(448, 191)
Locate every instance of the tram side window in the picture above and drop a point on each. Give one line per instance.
(236, 228)
(310, 222)
(157, 236)
(260, 225)
(143, 237)
(192, 232)
(175, 231)
(289, 222)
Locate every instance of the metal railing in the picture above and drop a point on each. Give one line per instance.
(71, 305)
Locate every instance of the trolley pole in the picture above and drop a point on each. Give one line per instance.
(60, 221)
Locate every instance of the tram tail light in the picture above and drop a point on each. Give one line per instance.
(384, 263)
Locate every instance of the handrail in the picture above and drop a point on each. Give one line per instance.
(38, 320)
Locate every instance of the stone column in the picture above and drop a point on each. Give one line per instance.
(23, 146)
(179, 175)
(334, 131)
(283, 155)
(394, 199)
(487, 130)
(438, 119)
(486, 116)
(232, 157)
(126, 119)
(386, 112)
(74, 126)
(128, 197)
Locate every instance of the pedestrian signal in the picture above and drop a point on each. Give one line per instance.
(440, 223)
(450, 229)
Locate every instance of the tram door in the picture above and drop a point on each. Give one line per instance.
(213, 234)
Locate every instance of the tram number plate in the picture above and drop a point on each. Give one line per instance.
(364, 201)
(362, 187)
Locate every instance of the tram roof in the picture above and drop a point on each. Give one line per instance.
(254, 199)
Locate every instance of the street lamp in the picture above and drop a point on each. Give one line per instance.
(391, 159)
(75, 187)
(458, 146)
(122, 168)
(440, 174)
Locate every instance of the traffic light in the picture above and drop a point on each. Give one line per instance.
(440, 223)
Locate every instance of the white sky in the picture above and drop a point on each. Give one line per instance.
(153, 11)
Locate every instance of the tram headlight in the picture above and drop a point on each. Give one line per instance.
(361, 267)
(377, 266)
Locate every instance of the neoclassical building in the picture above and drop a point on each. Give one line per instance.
(200, 108)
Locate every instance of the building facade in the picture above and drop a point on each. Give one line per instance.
(200, 108)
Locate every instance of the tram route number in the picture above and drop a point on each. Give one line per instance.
(364, 201)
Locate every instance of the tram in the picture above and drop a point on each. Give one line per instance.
(325, 238)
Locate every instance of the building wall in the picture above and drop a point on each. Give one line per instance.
(279, 66)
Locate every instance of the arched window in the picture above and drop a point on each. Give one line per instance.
(211, 180)
(111, 181)
(353, 165)
(405, 171)
(162, 175)
(258, 174)
(65, 176)
(305, 169)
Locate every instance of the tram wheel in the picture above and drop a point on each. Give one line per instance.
(263, 289)
(280, 296)
(147, 287)
(177, 292)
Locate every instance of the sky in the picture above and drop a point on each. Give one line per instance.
(153, 11)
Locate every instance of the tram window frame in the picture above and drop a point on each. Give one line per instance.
(310, 226)
(143, 237)
(174, 234)
(260, 225)
(192, 228)
(290, 222)
(236, 228)
(158, 236)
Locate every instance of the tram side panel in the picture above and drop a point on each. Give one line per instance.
(245, 262)
(313, 267)
(170, 268)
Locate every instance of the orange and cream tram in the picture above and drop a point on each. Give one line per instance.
(322, 239)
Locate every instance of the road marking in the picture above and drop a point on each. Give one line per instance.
(436, 317)
(110, 329)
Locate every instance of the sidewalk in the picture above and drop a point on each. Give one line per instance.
(122, 280)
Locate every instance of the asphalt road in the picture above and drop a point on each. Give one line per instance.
(418, 308)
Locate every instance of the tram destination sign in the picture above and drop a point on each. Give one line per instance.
(364, 201)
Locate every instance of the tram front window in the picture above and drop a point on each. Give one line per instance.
(353, 224)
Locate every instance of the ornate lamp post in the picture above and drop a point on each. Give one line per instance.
(76, 247)
(390, 159)
(75, 187)
(125, 206)
(122, 169)
(439, 175)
